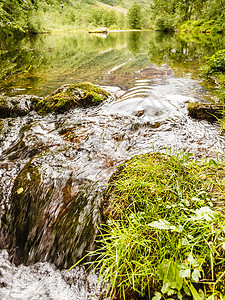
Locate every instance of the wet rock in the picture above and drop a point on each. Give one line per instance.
(71, 95)
(140, 113)
(16, 106)
(1, 125)
(53, 216)
(210, 112)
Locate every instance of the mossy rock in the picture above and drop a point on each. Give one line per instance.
(71, 95)
(210, 112)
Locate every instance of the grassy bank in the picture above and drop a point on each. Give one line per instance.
(164, 236)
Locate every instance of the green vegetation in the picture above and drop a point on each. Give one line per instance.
(214, 70)
(20, 16)
(34, 16)
(71, 95)
(165, 229)
(205, 26)
(188, 15)
(134, 16)
(165, 224)
(215, 64)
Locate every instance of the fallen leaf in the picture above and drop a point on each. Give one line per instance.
(19, 191)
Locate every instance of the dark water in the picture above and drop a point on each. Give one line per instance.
(67, 159)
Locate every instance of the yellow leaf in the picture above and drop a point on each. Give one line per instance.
(19, 191)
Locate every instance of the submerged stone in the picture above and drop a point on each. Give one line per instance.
(210, 112)
(71, 95)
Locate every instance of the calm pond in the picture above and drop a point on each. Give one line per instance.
(40, 64)
(54, 168)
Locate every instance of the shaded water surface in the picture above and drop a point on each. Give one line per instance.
(55, 168)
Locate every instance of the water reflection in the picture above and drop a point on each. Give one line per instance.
(40, 64)
(133, 43)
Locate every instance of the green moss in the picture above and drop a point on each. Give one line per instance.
(221, 79)
(72, 95)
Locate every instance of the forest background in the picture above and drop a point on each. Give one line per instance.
(37, 16)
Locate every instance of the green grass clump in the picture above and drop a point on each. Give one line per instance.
(165, 231)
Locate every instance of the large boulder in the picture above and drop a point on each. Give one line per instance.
(71, 95)
(54, 216)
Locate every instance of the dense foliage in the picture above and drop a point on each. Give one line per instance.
(20, 16)
(17, 16)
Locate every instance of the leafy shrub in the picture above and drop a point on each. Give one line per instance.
(215, 64)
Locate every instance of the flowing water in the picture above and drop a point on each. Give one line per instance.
(55, 168)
